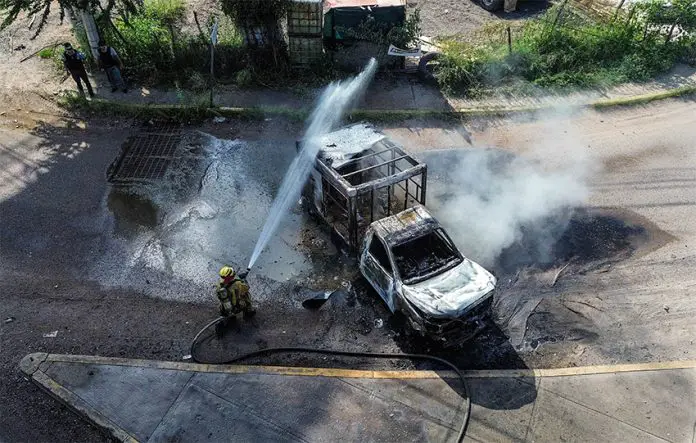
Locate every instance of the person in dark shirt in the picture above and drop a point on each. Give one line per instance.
(74, 64)
(112, 65)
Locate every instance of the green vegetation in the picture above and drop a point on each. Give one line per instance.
(54, 54)
(156, 50)
(370, 30)
(46, 53)
(264, 14)
(567, 47)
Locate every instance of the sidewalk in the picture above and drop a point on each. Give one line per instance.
(141, 400)
(402, 93)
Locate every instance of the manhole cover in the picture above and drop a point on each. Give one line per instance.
(146, 156)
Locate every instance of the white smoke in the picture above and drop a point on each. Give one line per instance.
(493, 197)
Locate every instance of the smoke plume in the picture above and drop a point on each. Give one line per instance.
(491, 200)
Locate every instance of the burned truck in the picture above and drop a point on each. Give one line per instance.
(371, 193)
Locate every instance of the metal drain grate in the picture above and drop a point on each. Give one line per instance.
(146, 156)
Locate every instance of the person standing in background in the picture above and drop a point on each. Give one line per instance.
(74, 63)
(112, 65)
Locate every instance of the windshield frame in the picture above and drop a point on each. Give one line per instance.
(454, 262)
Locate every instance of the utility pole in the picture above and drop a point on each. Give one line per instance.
(213, 42)
(91, 31)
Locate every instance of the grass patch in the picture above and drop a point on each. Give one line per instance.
(198, 112)
(184, 113)
(190, 113)
(46, 53)
(565, 48)
(54, 55)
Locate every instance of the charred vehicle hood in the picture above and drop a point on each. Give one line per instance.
(452, 293)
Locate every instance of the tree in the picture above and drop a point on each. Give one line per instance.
(12, 9)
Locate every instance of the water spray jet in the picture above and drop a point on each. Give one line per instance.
(336, 99)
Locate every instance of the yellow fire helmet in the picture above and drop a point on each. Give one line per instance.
(226, 271)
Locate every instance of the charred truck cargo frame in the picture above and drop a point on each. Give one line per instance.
(371, 193)
(350, 192)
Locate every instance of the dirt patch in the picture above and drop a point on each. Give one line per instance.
(628, 161)
(33, 74)
(462, 18)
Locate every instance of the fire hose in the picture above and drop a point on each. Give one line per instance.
(304, 350)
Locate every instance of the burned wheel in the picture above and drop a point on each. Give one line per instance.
(427, 67)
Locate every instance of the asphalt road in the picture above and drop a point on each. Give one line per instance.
(640, 164)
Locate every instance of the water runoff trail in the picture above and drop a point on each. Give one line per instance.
(333, 103)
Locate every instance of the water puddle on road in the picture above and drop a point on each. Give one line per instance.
(170, 238)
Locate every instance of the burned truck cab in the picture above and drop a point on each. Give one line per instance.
(416, 269)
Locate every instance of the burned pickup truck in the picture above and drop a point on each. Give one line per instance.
(372, 194)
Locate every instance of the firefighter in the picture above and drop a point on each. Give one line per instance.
(233, 293)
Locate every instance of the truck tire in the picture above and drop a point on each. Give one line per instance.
(426, 73)
(492, 5)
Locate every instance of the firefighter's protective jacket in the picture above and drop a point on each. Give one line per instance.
(236, 294)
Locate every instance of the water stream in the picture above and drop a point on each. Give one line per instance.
(334, 102)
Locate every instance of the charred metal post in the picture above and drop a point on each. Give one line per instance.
(389, 190)
(352, 223)
(392, 167)
(406, 196)
(424, 181)
(324, 184)
(372, 205)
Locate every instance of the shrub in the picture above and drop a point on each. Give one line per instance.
(576, 50)
(244, 78)
(371, 30)
(156, 51)
(170, 12)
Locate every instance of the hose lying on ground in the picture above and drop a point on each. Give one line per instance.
(467, 412)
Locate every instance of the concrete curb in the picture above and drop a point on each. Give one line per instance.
(257, 113)
(32, 363)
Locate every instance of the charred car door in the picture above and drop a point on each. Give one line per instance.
(377, 268)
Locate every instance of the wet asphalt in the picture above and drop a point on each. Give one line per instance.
(118, 275)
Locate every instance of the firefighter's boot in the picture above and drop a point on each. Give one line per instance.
(222, 325)
(249, 311)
